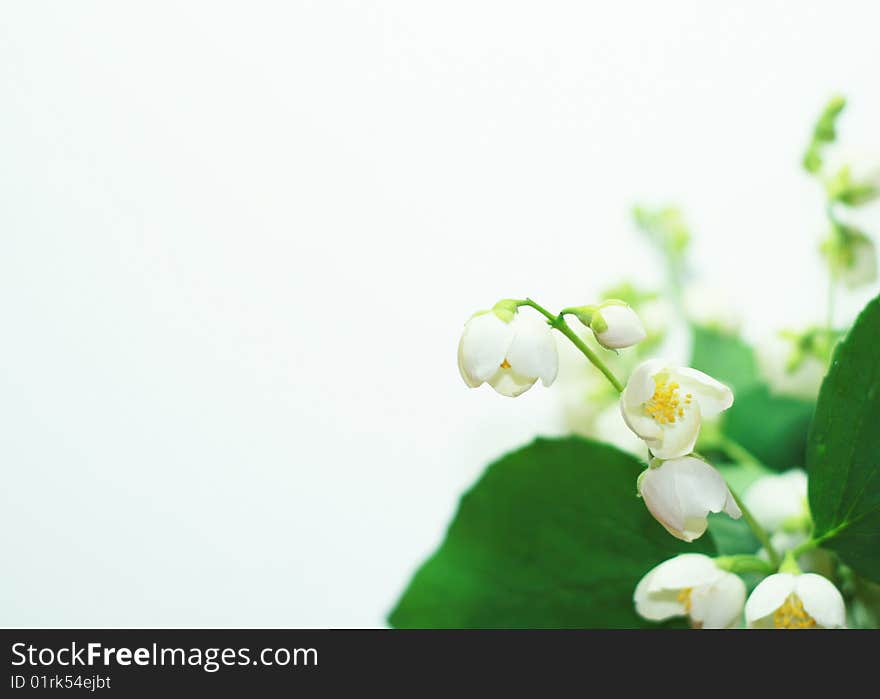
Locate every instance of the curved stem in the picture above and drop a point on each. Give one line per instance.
(759, 531)
(811, 543)
(739, 452)
(558, 322)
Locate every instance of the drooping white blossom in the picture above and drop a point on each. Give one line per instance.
(691, 585)
(664, 405)
(789, 601)
(508, 355)
(680, 494)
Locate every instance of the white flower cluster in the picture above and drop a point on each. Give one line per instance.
(664, 406)
(702, 589)
(693, 585)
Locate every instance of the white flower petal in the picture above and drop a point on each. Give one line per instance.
(509, 383)
(657, 606)
(682, 492)
(624, 329)
(468, 379)
(644, 426)
(720, 604)
(661, 499)
(768, 596)
(713, 396)
(640, 388)
(678, 438)
(700, 486)
(821, 600)
(730, 508)
(641, 384)
(484, 345)
(682, 571)
(533, 349)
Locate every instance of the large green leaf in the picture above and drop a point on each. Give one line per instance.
(843, 455)
(724, 357)
(552, 536)
(773, 428)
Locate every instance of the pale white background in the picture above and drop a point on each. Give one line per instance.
(238, 243)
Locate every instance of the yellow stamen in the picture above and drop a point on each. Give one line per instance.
(684, 596)
(505, 364)
(665, 405)
(792, 615)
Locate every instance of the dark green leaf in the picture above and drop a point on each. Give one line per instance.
(552, 536)
(724, 357)
(773, 428)
(843, 454)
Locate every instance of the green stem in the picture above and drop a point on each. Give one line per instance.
(743, 455)
(739, 453)
(558, 322)
(812, 543)
(744, 563)
(759, 531)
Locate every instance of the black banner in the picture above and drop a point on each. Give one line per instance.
(244, 662)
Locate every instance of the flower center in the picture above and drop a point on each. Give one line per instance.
(666, 404)
(792, 615)
(684, 596)
(505, 364)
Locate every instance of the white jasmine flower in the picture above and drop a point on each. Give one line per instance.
(691, 585)
(617, 326)
(681, 493)
(787, 601)
(779, 499)
(509, 355)
(665, 405)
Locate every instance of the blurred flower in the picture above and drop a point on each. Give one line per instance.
(508, 354)
(851, 256)
(691, 585)
(617, 326)
(664, 405)
(681, 493)
(780, 501)
(787, 601)
(710, 307)
(788, 369)
(852, 176)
